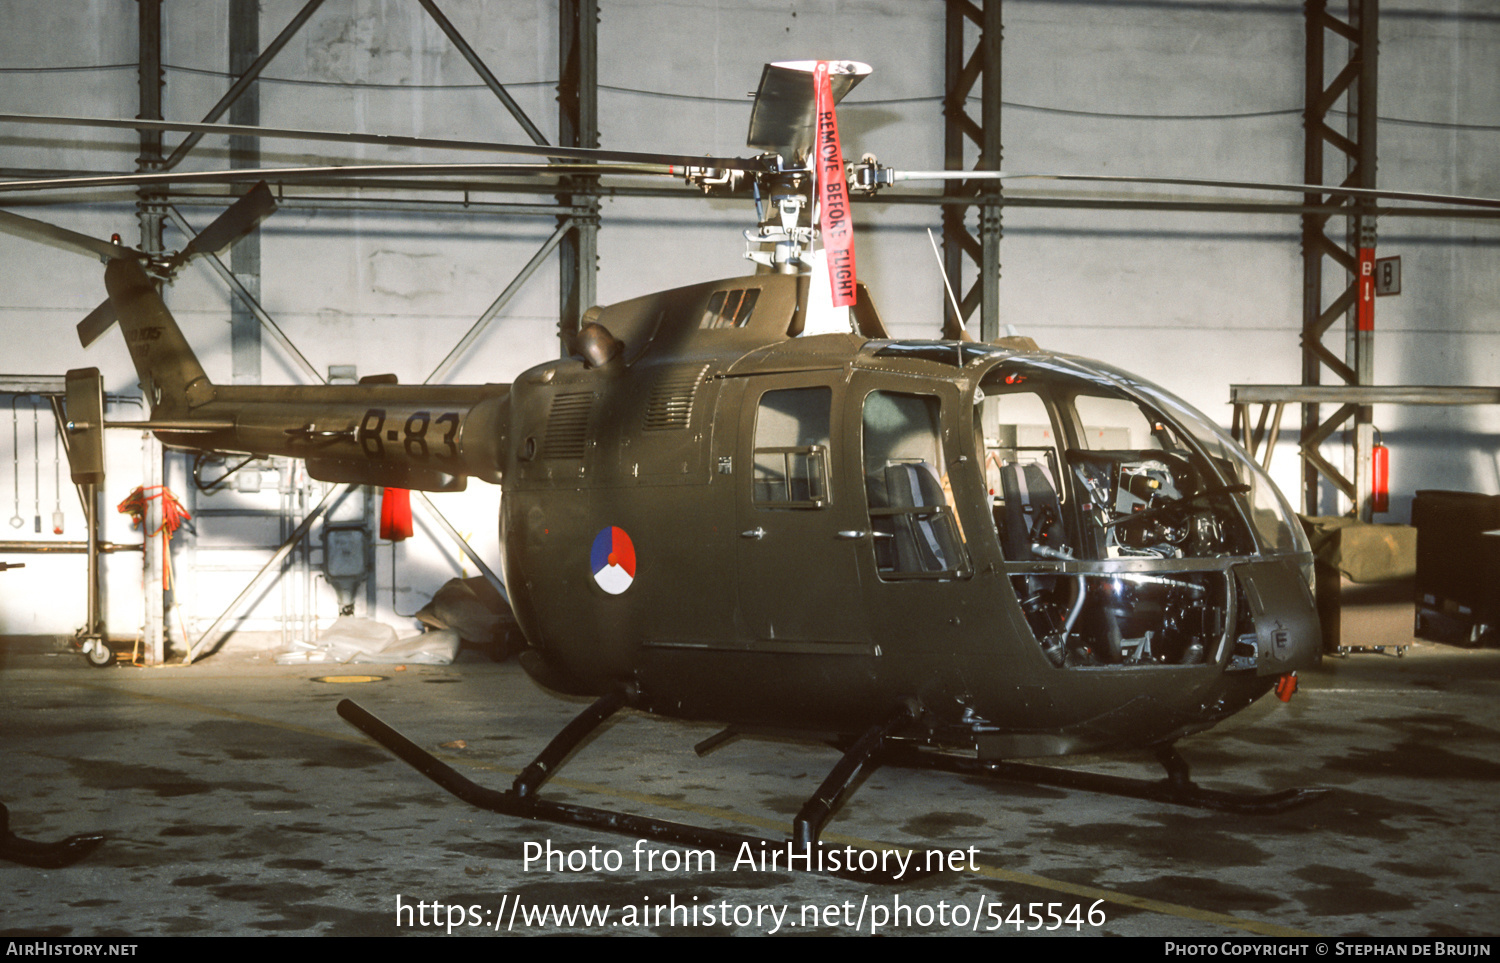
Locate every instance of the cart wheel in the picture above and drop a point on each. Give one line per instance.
(98, 653)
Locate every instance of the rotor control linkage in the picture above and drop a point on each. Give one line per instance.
(1177, 788)
(521, 800)
(44, 855)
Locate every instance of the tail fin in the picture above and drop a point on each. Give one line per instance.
(170, 374)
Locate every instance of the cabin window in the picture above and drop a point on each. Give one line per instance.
(791, 448)
(912, 519)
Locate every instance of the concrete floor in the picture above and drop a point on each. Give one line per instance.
(237, 802)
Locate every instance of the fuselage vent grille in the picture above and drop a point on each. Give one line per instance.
(568, 425)
(671, 404)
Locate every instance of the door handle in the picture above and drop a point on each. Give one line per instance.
(850, 535)
(757, 533)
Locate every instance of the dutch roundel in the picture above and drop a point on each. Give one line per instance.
(612, 560)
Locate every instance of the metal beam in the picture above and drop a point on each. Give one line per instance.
(151, 212)
(964, 72)
(499, 303)
(151, 79)
(1355, 84)
(243, 82)
(1364, 394)
(468, 53)
(1352, 399)
(247, 298)
(205, 643)
(578, 126)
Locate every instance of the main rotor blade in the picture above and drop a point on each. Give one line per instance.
(63, 238)
(1370, 192)
(239, 219)
(389, 140)
(782, 118)
(311, 174)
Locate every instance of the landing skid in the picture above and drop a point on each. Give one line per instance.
(44, 855)
(803, 851)
(1177, 788)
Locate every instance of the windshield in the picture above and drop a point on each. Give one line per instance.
(1276, 525)
(1079, 468)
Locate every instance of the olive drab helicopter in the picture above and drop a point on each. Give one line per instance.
(1017, 553)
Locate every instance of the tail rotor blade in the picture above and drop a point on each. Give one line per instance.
(241, 217)
(97, 322)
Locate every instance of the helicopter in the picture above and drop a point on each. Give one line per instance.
(1018, 553)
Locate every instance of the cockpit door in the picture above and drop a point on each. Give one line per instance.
(798, 530)
(922, 505)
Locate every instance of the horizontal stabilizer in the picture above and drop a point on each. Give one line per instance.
(84, 429)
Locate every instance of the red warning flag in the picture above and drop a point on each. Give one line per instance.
(395, 514)
(834, 221)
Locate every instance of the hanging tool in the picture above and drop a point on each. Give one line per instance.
(57, 509)
(36, 466)
(16, 521)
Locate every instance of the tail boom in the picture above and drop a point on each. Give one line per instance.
(425, 437)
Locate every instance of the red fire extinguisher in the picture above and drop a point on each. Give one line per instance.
(395, 514)
(1380, 476)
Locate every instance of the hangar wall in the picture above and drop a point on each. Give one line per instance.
(1196, 302)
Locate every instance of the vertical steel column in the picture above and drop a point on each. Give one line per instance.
(1312, 232)
(150, 204)
(1355, 84)
(151, 211)
(1364, 15)
(962, 74)
(244, 152)
(578, 126)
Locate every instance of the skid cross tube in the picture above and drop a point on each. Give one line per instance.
(521, 800)
(551, 758)
(816, 811)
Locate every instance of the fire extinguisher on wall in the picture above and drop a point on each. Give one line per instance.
(1380, 476)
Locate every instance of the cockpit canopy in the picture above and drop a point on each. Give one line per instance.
(1088, 462)
(1125, 517)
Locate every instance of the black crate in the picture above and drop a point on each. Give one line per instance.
(1458, 565)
